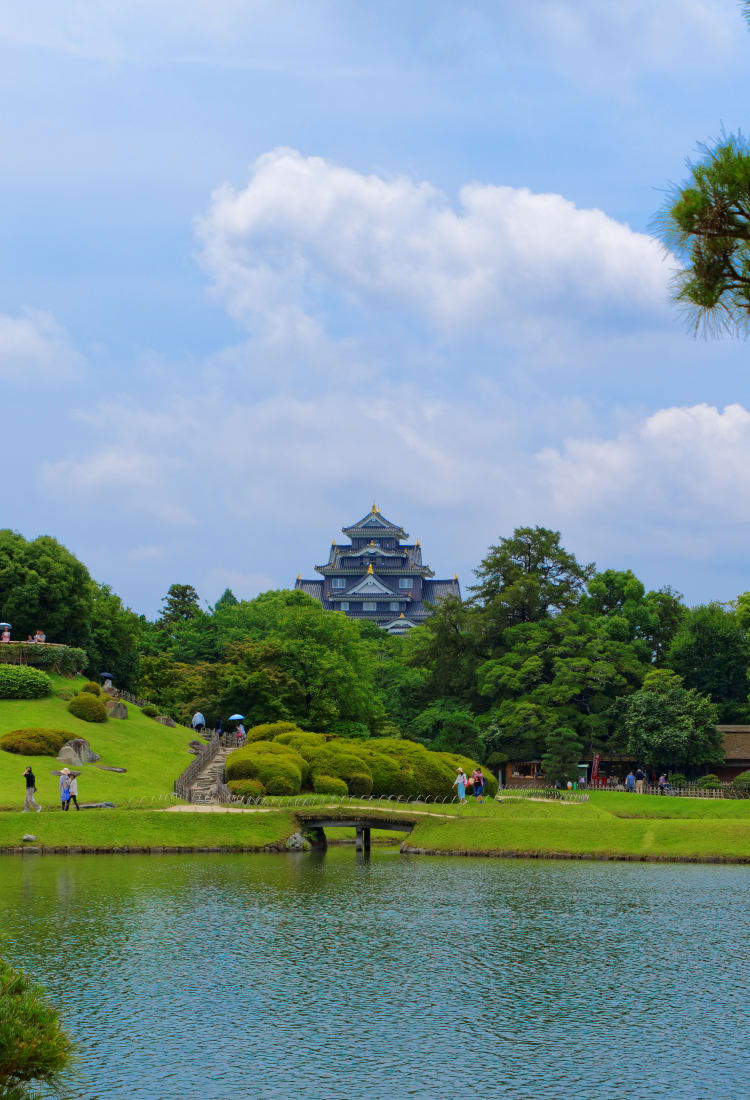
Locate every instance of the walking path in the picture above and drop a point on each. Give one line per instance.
(203, 787)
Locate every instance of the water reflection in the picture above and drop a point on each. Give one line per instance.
(318, 976)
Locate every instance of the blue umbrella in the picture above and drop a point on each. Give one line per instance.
(236, 717)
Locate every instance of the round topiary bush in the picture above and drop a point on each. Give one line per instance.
(35, 741)
(88, 708)
(23, 682)
(247, 788)
(150, 710)
(360, 783)
(742, 781)
(329, 784)
(677, 779)
(92, 687)
(278, 767)
(709, 781)
(269, 731)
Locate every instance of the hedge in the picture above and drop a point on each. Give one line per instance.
(88, 708)
(247, 788)
(22, 682)
(35, 741)
(329, 784)
(268, 731)
(62, 659)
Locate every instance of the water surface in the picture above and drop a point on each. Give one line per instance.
(323, 977)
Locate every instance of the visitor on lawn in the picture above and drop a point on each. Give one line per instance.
(479, 782)
(199, 722)
(65, 789)
(630, 782)
(640, 775)
(30, 802)
(73, 789)
(460, 784)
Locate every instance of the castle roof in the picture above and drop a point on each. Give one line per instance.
(374, 524)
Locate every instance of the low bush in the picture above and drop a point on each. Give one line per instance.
(92, 687)
(742, 781)
(278, 767)
(269, 731)
(23, 682)
(708, 781)
(88, 708)
(150, 710)
(678, 779)
(360, 783)
(329, 784)
(247, 788)
(35, 741)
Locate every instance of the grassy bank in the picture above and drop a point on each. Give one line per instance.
(115, 829)
(154, 755)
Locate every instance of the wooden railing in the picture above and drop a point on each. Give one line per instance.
(183, 784)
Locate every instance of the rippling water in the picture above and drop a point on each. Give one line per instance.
(323, 977)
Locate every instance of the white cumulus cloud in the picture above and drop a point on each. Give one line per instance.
(33, 345)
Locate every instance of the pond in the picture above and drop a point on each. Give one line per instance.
(321, 976)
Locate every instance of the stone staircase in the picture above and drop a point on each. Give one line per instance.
(204, 786)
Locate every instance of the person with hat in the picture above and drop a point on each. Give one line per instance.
(65, 788)
(73, 789)
(460, 784)
(30, 803)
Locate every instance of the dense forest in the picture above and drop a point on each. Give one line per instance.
(546, 658)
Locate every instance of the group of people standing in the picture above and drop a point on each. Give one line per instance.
(635, 781)
(475, 785)
(68, 790)
(39, 636)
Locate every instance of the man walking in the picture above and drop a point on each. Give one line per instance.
(30, 803)
(640, 775)
(199, 722)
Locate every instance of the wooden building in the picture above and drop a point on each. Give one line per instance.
(379, 576)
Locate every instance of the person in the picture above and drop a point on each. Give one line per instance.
(217, 729)
(30, 802)
(479, 783)
(40, 636)
(460, 784)
(662, 783)
(73, 789)
(6, 635)
(630, 782)
(199, 722)
(65, 788)
(640, 775)
(240, 734)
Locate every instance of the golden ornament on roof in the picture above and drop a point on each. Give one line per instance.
(369, 568)
(299, 576)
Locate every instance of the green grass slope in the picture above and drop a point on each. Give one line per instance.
(154, 755)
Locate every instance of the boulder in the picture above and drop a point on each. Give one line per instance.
(297, 843)
(107, 689)
(165, 720)
(107, 768)
(196, 746)
(77, 751)
(29, 837)
(116, 709)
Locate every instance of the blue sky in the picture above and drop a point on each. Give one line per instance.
(263, 263)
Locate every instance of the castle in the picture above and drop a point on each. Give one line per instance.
(379, 576)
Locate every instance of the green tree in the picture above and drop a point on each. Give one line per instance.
(562, 754)
(44, 586)
(447, 726)
(710, 652)
(528, 577)
(226, 599)
(706, 223)
(649, 619)
(114, 640)
(666, 725)
(180, 603)
(34, 1048)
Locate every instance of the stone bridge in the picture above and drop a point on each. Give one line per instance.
(316, 823)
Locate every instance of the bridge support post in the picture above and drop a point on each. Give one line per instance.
(360, 838)
(367, 839)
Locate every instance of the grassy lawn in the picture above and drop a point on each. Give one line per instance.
(145, 829)
(653, 805)
(154, 755)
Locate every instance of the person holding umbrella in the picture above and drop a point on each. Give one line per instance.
(5, 636)
(240, 731)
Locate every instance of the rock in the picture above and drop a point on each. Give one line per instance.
(28, 837)
(77, 751)
(106, 768)
(297, 843)
(116, 709)
(97, 805)
(107, 689)
(196, 746)
(165, 720)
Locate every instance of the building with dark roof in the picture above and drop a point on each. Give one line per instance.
(379, 576)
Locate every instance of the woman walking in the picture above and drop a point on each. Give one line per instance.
(73, 790)
(65, 789)
(460, 784)
(479, 784)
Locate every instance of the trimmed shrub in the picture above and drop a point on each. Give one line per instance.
(302, 741)
(742, 781)
(92, 687)
(329, 784)
(678, 779)
(282, 781)
(269, 731)
(338, 758)
(35, 741)
(88, 708)
(23, 682)
(708, 781)
(150, 710)
(360, 784)
(279, 770)
(247, 788)
(63, 659)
